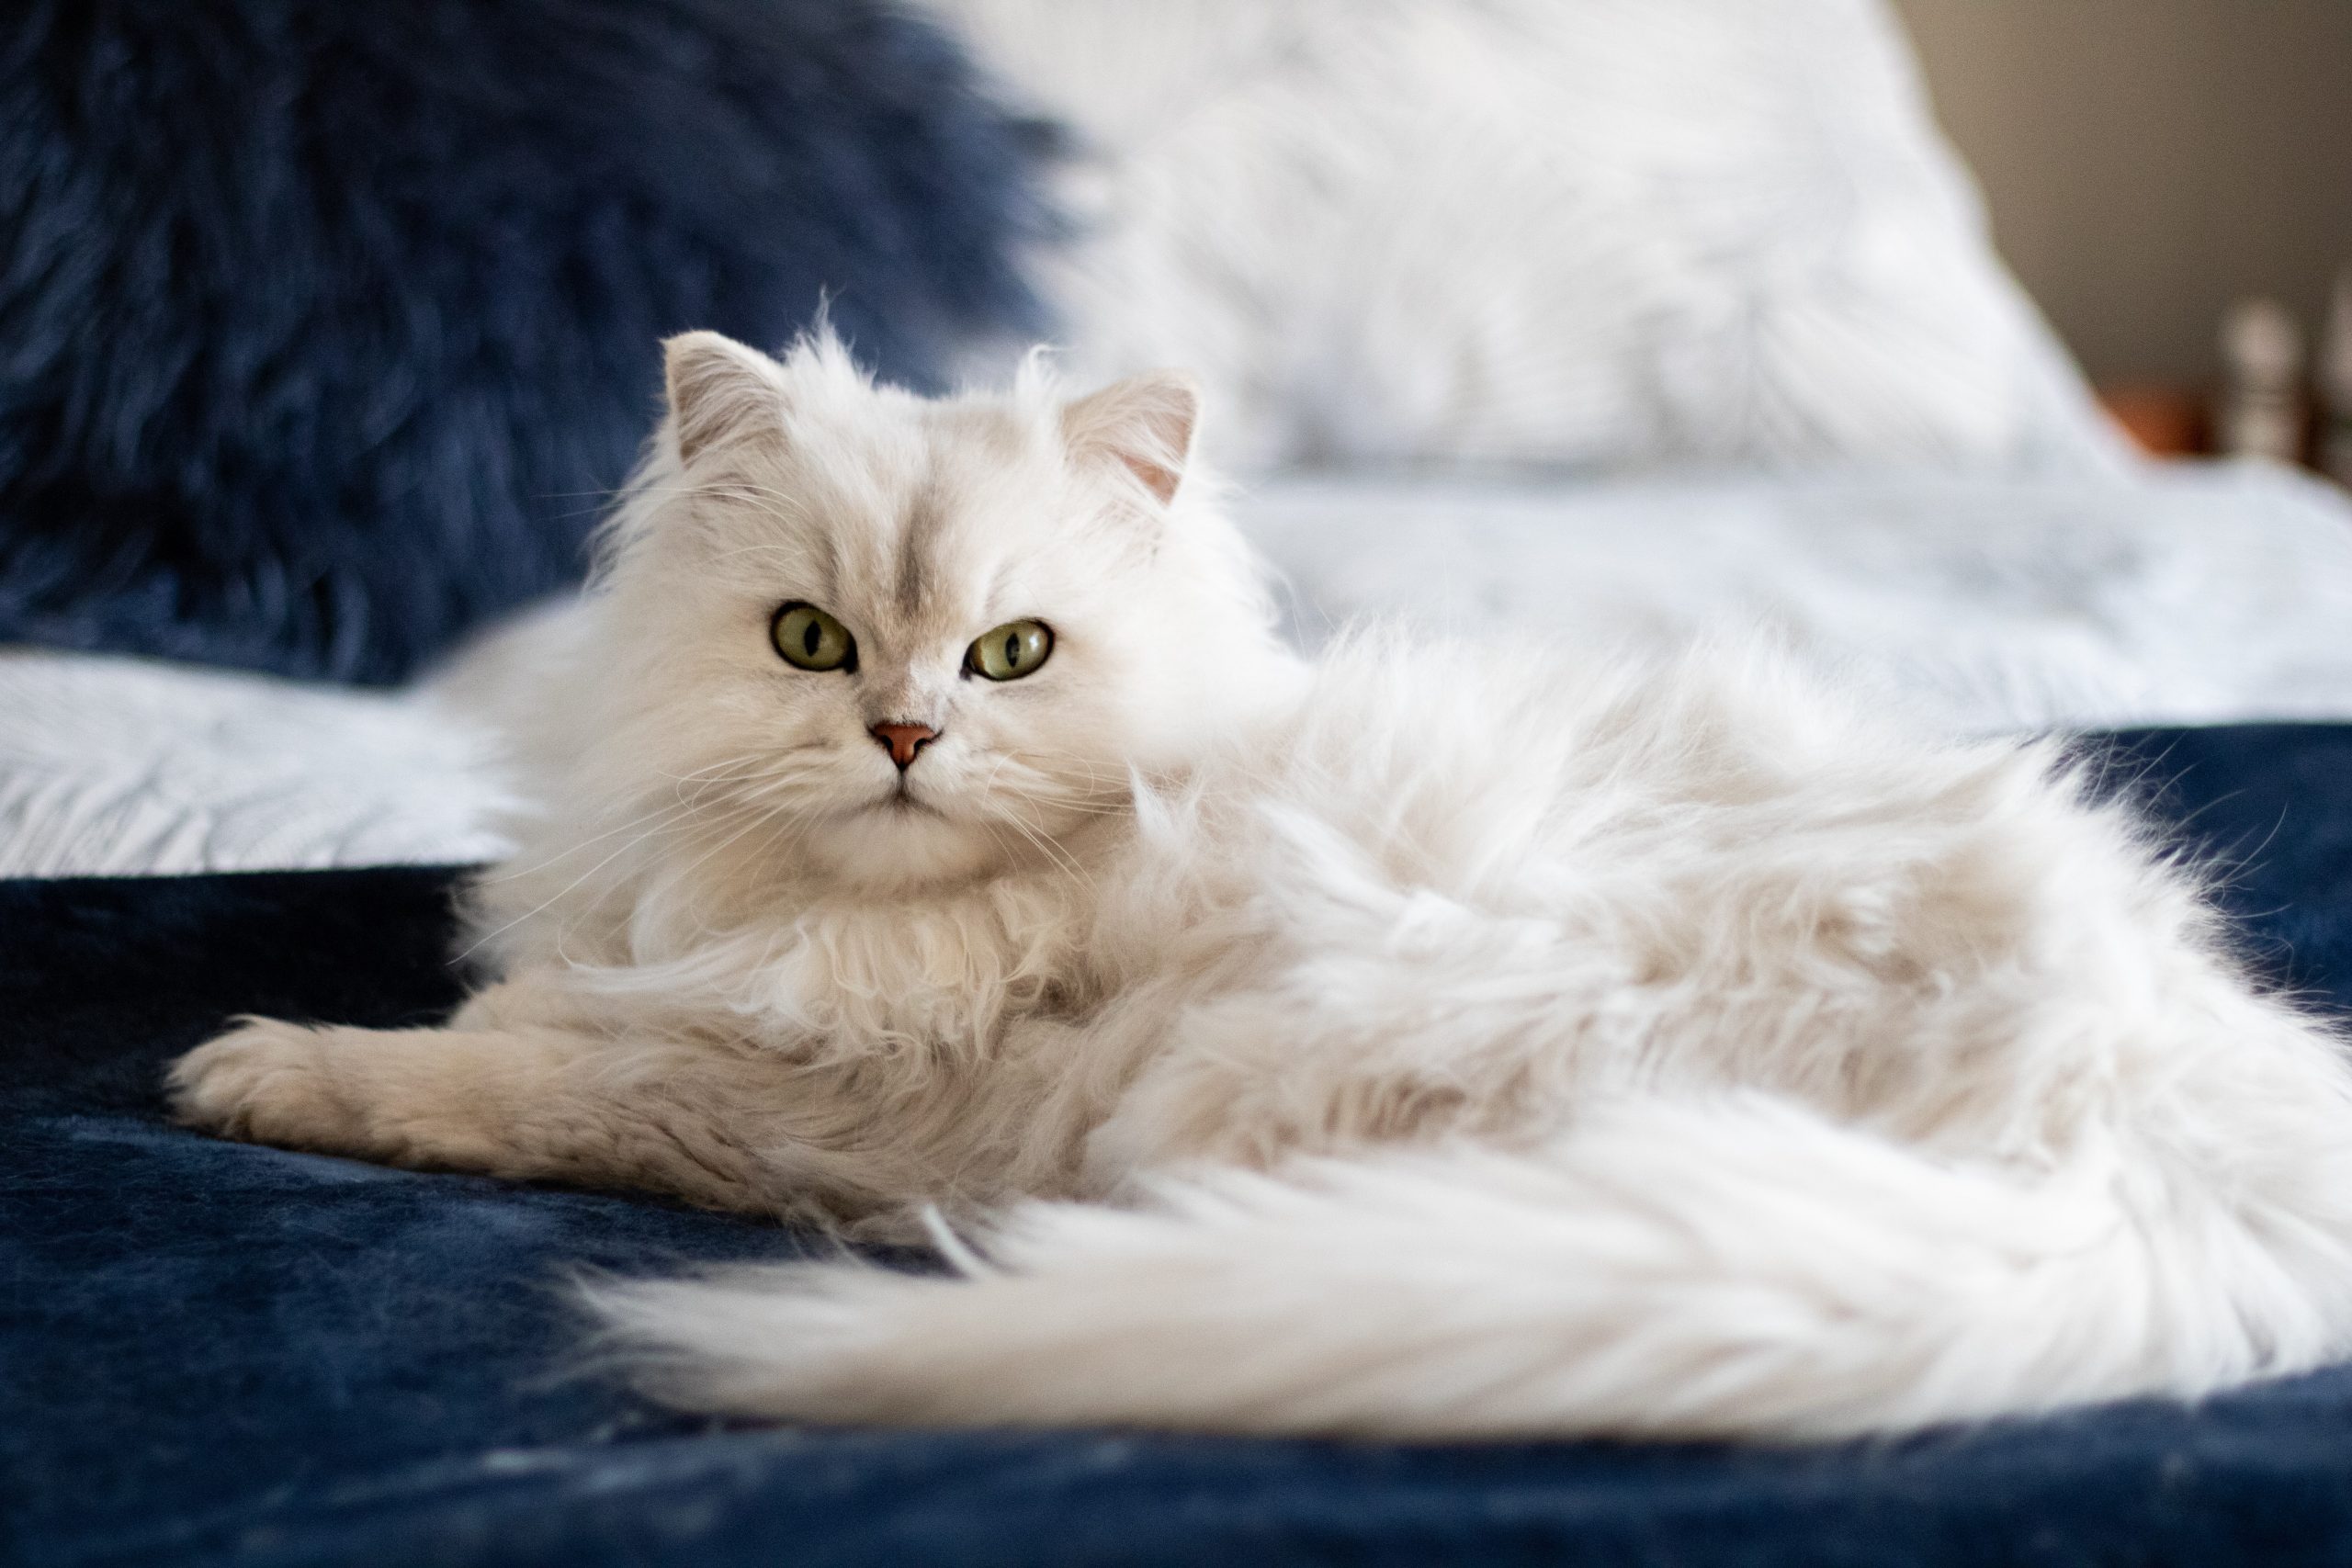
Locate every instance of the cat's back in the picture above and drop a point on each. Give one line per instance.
(1607, 873)
(1630, 797)
(1452, 757)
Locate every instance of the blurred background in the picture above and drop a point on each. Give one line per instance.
(2150, 163)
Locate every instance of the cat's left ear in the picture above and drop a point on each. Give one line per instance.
(1145, 422)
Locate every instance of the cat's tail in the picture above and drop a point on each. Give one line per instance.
(1741, 1268)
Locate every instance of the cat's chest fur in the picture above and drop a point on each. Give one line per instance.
(949, 974)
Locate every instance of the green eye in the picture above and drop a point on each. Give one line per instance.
(1013, 650)
(811, 639)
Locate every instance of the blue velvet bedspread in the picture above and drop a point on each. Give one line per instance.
(213, 1353)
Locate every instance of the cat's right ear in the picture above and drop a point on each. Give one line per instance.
(719, 389)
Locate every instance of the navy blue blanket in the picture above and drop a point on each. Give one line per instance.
(213, 1353)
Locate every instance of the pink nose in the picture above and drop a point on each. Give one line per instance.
(903, 740)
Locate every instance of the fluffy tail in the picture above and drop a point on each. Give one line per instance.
(1741, 1269)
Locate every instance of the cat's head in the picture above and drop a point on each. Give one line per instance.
(888, 640)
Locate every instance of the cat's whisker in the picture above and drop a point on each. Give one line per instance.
(998, 804)
(705, 858)
(793, 507)
(669, 821)
(560, 857)
(681, 804)
(543, 904)
(790, 829)
(1045, 846)
(714, 770)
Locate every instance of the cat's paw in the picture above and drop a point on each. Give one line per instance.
(266, 1081)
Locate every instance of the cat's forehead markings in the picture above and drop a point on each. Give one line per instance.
(829, 565)
(918, 531)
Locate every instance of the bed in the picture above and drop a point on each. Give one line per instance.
(215, 1353)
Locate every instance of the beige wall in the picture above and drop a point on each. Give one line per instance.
(2147, 161)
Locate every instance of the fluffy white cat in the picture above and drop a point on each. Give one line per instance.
(1432, 1042)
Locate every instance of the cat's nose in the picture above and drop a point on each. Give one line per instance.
(903, 740)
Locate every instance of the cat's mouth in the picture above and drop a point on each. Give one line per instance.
(900, 802)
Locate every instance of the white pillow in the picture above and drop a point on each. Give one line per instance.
(1611, 233)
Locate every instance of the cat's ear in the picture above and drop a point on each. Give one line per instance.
(719, 389)
(1144, 422)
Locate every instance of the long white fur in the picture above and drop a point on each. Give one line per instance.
(1586, 231)
(1439, 1040)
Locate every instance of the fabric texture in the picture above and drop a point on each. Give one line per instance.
(1982, 605)
(214, 1353)
(2193, 595)
(1617, 233)
(112, 766)
(329, 329)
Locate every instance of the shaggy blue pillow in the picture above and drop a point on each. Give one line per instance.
(327, 329)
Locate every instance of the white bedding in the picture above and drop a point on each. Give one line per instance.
(2195, 597)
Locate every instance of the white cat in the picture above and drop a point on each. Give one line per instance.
(1433, 1041)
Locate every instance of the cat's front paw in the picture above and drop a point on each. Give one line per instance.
(268, 1082)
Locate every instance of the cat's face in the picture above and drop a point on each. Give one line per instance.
(888, 640)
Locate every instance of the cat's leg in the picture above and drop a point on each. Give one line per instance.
(518, 1100)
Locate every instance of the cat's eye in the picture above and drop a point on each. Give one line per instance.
(811, 639)
(1011, 650)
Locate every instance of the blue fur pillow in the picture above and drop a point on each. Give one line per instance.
(326, 328)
